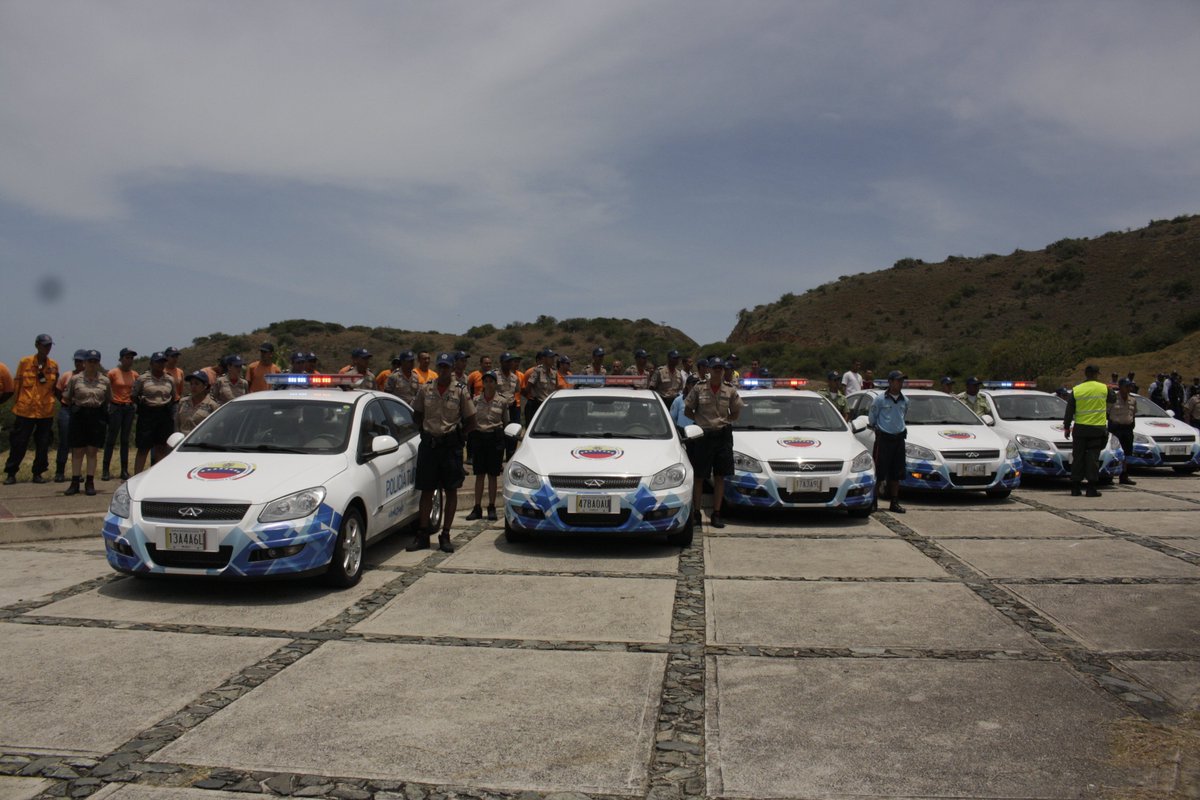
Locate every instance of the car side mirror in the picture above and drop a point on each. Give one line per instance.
(693, 432)
(384, 444)
(1170, 413)
(988, 419)
(858, 424)
(512, 430)
(174, 439)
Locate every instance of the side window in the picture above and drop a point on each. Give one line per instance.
(400, 418)
(374, 423)
(855, 406)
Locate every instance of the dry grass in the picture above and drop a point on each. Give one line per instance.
(1169, 751)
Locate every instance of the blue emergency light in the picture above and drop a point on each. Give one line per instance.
(314, 380)
(1010, 384)
(772, 383)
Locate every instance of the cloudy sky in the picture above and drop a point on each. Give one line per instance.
(171, 169)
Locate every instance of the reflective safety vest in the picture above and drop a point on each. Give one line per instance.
(1091, 398)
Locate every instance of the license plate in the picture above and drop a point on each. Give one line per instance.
(806, 485)
(595, 504)
(187, 539)
(972, 469)
(1178, 449)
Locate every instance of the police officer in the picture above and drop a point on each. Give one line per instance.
(153, 393)
(509, 383)
(86, 393)
(310, 362)
(1086, 411)
(540, 383)
(833, 393)
(404, 380)
(197, 405)
(641, 363)
(973, 399)
(173, 370)
(231, 384)
(1122, 413)
(299, 364)
(597, 365)
(381, 377)
(257, 372)
(487, 443)
(360, 363)
(445, 414)
(948, 385)
(33, 411)
(714, 405)
(887, 417)
(668, 379)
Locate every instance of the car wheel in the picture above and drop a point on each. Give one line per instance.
(684, 537)
(860, 513)
(345, 569)
(998, 494)
(435, 511)
(514, 535)
(1185, 470)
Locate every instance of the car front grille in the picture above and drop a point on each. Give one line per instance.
(807, 497)
(973, 480)
(1063, 445)
(594, 520)
(193, 512)
(595, 481)
(971, 455)
(806, 466)
(1184, 439)
(186, 559)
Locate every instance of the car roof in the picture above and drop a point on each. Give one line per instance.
(909, 392)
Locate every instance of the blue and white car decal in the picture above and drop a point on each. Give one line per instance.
(1044, 447)
(1160, 440)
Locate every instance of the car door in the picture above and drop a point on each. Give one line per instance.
(400, 487)
(375, 470)
(860, 406)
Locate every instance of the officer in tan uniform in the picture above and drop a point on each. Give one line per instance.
(641, 364)
(668, 379)
(487, 443)
(834, 394)
(153, 393)
(973, 399)
(198, 403)
(231, 384)
(714, 405)
(540, 383)
(445, 414)
(597, 365)
(509, 383)
(86, 394)
(404, 380)
(360, 363)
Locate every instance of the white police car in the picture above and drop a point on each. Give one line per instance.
(606, 459)
(948, 448)
(792, 449)
(1033, 420)
(1160, 440)
(272, 484)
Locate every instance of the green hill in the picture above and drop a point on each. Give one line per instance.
(1025, 314)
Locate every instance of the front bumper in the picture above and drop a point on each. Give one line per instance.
(769, 490)
(1153, 455)
(641, 511)
(138, 547)
(945, 476)
(1057, 463)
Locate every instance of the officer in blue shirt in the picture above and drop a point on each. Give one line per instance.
(886, 418)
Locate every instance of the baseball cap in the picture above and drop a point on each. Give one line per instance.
(946, 381)
(395, 360)
(199, 375)
(158, 357)
(460, 355)
(692, 379)
(972, 381)
(1124, 382)
(407, 355)
(266, 347)
(446, 359)
(640, 353)
(506, 356)
(127, 351)
(764, 373)
(490, 376)
(310, 356)
(733, 357)
(598, 352)
(360, 352)
(43, 338)
(673, 354)
(91, 355)
(564, 358)
(831, 376)
(299, 355)
(1091, 369)
(701, 362)
(545, 351)
(234, 361)
(716, 363)
(897, 375)
(80, 355)
(171, 352)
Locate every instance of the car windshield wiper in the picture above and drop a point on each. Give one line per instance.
(263, 448)
(737, 427)
(559, 434)
(225, 448)
(811, 428)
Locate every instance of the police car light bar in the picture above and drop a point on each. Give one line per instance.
(632, 381)
(772, 383)
(911, 383)
(315, 380)
(1010, 384)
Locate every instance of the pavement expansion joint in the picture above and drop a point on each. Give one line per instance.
(555, 574)
(879, 652)
(25, 606)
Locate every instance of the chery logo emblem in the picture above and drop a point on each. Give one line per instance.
(972, 455)
(807, 466)
(595, 483)
(191, 511)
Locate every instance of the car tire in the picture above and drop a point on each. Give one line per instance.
(684, 537)
(860, 513)
(514, 535)
(346, 566)
(1185, 470)
(998, 494)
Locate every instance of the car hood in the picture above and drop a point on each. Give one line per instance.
(1048, 429)
(1162, 426)
(956, 437)
(599, 456)
(234, 477)
(797, 445)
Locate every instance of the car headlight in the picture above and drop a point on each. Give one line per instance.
(120, 504)
(1141, 438)
(744, 463)
(918, 453)
(523, 476)
(1011, 452)
(294, 506)
(1032, 443)
(862, 462)
(668, 478)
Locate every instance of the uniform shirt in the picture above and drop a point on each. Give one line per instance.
(153, 392)
(682, 420)
(635, 371)
(837, 398)
(176, 374)
(84, 393)
(1122, 412)
(368, 379)
(852, 381)
(122, 384)
(510, 386)
(443, 410)
(491, 415)
(713, 410)
(35, 400)
(404, 386)
(542, 380)
(590, 370)
(977, 404)
(257, 372)
(226, 389)
(191, 412)
(6, 379)
(1191, 410)
(888, 413)
(668, 384)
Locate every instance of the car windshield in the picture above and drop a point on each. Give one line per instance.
(275, 426)
(585, 415)
(1020, 407)
(939, 410)
(797, 413)
(1148, 408)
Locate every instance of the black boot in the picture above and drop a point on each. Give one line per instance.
(89, 486)
(1127, 481)
(444, 543)
(476, 513)
(421, 542)
(74, 487)
(59, 477)
(105, 475)
(492, 513)
(1076, 491)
